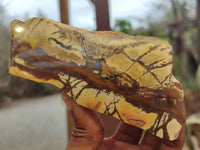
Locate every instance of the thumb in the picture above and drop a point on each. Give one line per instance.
(88, 131)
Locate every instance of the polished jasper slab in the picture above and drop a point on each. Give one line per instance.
(128, 77)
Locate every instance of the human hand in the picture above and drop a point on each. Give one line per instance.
(88, 134)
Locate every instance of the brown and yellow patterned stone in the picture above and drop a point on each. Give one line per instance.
(128, 77)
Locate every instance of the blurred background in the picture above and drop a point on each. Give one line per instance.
(28, 120)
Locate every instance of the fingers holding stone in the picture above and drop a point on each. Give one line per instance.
(128, 133)
(88, 132)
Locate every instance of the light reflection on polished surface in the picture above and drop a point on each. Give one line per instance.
(19, 29)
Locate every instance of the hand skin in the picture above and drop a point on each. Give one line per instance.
(88, 133)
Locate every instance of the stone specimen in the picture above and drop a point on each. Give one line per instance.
(128, 77)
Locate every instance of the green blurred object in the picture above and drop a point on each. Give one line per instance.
(123, 26)
(198, 75)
